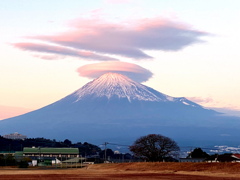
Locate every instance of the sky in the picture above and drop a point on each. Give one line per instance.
(187, 48)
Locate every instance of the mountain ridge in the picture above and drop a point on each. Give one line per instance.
(116, 108)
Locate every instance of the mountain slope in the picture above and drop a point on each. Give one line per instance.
(113, 96)
(112, 84)
(115, 107)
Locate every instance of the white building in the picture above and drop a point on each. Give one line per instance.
(15, 136)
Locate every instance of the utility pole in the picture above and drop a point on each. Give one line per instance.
(105, 154)
(81, 161)
(39, 151)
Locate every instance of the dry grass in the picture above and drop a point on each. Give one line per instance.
(169, 166)
(132, 171)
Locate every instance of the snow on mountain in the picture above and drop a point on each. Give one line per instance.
(112, 84)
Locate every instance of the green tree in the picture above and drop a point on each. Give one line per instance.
(154, 147)
(67, 142)
(109, 153)
(198, 153)
(10, 160)
(23, 164)
(2, 160)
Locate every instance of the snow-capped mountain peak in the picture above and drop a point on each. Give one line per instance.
(113, 107)
(113, 84)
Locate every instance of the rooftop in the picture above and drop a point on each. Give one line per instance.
(51, 150)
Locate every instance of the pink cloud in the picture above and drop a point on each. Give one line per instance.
(7, 112)
(201, 99)
(60, 51)
(127, 39)
(133, 71)
(48, 57)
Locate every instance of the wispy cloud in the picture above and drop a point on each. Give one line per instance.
(102, 39)
(59, 50)
(200, 100)
(225, 108)
(133, 71)
(49, 56)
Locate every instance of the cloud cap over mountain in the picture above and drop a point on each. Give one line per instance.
(133, 71)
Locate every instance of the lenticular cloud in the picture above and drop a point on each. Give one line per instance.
(57, 51)
(101, 39)
(133, 71)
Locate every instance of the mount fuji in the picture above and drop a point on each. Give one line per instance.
(117, 109)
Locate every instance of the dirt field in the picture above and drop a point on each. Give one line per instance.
(132, 171)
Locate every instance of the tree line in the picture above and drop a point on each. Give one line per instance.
(152, 147)
(9, 145)
(159, 146)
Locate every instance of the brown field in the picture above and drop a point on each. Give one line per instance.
(132, 171)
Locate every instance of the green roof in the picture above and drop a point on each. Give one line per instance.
(51, 150)
(18, 153)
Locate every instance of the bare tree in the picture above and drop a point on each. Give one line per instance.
(154, 147)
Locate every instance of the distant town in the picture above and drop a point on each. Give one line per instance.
(18, 150)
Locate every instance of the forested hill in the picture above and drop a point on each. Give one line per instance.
(10, 145)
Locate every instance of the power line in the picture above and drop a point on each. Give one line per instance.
(119, 144)
(181, 147)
